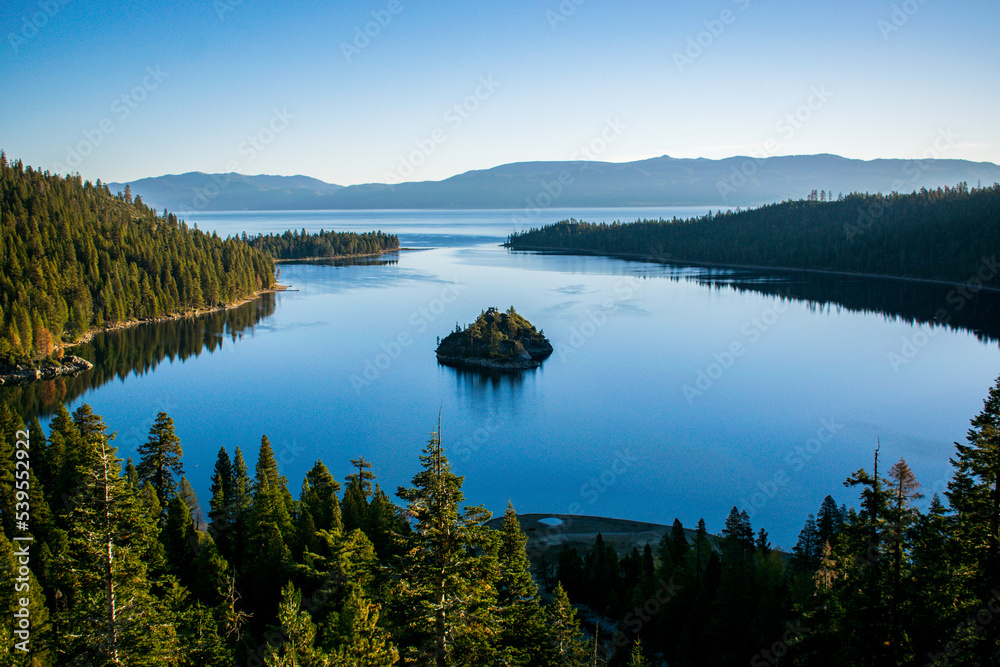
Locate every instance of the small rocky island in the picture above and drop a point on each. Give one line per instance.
(495, 341)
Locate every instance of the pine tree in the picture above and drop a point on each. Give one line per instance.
(806, 552)
(297, 632)
(187, 494)
(933, 585)
(363, 477)
(384, 523)
(354, 512)
(444, 584)
(239, 514)
(679, 546)
(904, 490)
(270, 482)
(829, 521)
(222, 490)
(565, 645)
(112, 615)
(197, 632)
(974, 495)
(855, 614)
(320, 497)
(179, 535)
(702, 551)
(736, 618)
(211, 571)
(521, 617)
(637, 659)
(266, 533)
(160, 458)
(361, 642)
(762, 544)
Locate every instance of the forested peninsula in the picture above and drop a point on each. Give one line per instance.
(948, 234)
(75, 258)
(125, 566)
(295, 246)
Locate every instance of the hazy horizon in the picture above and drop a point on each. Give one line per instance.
(654, 157)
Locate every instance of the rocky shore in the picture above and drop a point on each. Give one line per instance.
(46, 370)
(490, 364)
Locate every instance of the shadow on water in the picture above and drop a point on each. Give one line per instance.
(958, 308)
(139, 350)
(387, 259)
(483, 379)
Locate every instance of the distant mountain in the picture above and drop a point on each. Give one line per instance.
(662, 181)
(195, 191)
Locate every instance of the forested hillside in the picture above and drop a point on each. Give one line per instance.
(950, 234)
(127, 567)
(323, 244)
(74, 257)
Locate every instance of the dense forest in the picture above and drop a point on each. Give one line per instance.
(949, 234)
(125, 567)
(74, 257)
(322, 245)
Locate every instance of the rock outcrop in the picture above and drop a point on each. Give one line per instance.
(502, 341)
(46, 370)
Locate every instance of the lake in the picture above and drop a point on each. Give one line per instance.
(673, 391)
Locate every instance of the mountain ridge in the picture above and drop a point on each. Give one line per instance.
(656, 181)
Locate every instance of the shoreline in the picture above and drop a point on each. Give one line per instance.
(640, 257)
(88, 335)
(71, 365)
(489, 364)
(331, 258)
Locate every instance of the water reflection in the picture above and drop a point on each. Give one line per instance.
(908, 301)
(913, 302)
(388, 259)
(483, 379)
(139, 350)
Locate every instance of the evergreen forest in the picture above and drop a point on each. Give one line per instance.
(74, 257)
(321, 245)
(949, 234)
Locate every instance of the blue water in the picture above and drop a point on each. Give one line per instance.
(665, 397)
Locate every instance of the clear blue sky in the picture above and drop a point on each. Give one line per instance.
(229, 70)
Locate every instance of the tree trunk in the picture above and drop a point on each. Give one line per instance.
(108, 561)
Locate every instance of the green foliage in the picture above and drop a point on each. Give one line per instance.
(445, 593)
(160, 459)
(565, 644)
(498, 336)
(111, 614)
(74, 257)
(933, 234)
(523, 631)
(322, 245)
(361, 641)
